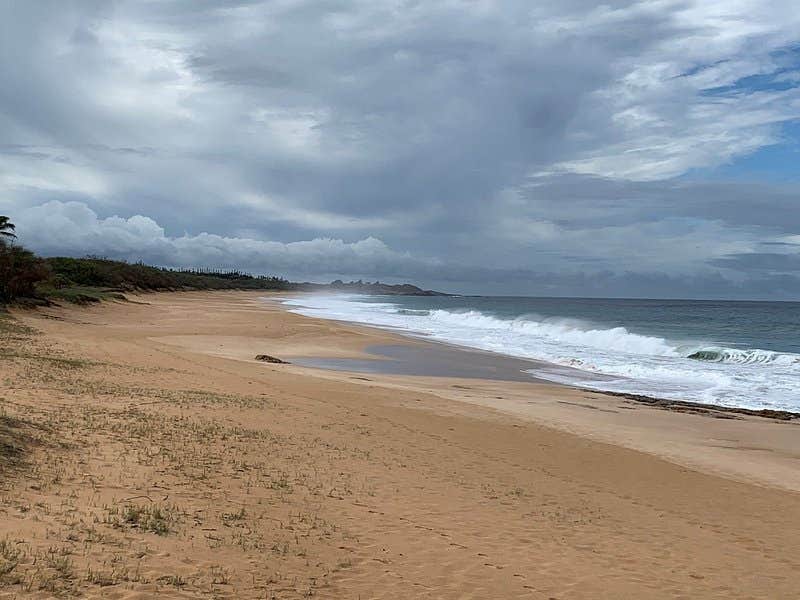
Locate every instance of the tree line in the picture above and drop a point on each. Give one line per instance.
(20, 269)
(25, 275)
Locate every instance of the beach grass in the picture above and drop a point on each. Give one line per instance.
(96, 521)
(78, 294)
(133, 466)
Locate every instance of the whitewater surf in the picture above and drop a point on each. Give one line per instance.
(685, 362)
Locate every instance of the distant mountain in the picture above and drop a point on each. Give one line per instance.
(365, 287)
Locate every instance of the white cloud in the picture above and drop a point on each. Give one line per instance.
(661, 117)
(72, 228)
(414, 124)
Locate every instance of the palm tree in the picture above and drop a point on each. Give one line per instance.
(6, 228)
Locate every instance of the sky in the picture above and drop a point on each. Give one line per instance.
(517, 147)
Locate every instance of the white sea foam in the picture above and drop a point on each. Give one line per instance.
(612, 359)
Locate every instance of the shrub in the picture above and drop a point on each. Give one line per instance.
(105, 273)
(20, 271)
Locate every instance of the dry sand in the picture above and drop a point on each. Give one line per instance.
(146, 454)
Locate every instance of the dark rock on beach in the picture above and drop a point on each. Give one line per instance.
(270, 359)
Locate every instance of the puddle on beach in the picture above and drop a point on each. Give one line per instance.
(433, 360)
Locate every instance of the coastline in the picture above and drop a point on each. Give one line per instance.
(745, 444)
(682, 351)
(378, 355)
(382, 485)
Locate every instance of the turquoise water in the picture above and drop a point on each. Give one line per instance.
(731, 353)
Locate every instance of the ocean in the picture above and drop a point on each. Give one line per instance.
(730, 353)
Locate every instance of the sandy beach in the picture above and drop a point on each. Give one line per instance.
(146, 453)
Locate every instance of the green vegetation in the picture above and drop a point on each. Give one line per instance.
(78, 294)
(150, 518)
(104, 275)
(20, 269)
(29, 278)
(23, 275)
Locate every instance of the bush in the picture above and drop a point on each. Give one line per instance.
(119, 275)
(20, 271)
(94, 278)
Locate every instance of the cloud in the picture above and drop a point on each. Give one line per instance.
(769, 262)
(478, 141)
(689, 101)
(72, 228)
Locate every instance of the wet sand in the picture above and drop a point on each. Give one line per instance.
(289, 481)
(436, 359)
(428, 360)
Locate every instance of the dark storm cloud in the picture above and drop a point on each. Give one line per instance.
(577, 201)
(761, 262)
(478, 143)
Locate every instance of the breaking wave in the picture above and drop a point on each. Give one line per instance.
(571, 331)
(744, 357)
(582, 353)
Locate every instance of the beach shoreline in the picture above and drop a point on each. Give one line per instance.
(378, 363)
(684, 351)
(689, 438)
(293, 481)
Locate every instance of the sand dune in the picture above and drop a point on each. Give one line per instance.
(147, 454)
